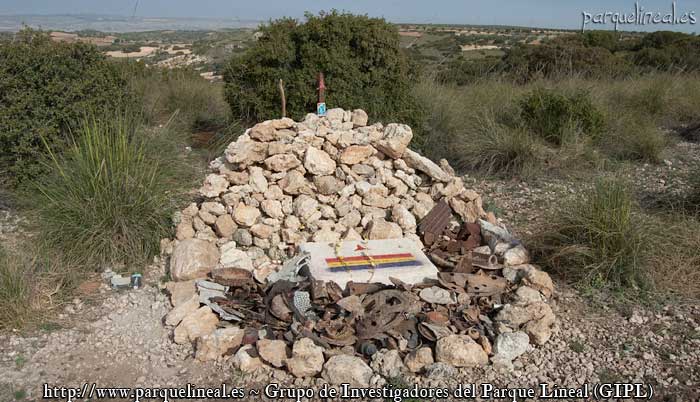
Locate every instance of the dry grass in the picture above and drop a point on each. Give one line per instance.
(32, 285)
(674, 257)
(481, 126)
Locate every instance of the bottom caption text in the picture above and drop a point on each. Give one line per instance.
(273, 391)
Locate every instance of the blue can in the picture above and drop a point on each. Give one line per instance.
(136, 281)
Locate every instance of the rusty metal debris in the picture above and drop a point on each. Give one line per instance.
(372, 316)
(435, 222)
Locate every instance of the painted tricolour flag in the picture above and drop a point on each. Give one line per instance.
(366, 262)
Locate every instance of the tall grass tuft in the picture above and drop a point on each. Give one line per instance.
(596, 240)
(199, 104)
(694, 191)
(495, 148)
(635, 137)
(443, 116)
(15, 291)
(108, 197)
(32, 282)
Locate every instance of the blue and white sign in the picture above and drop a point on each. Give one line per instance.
(321, 109)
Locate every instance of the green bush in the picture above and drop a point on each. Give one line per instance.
(605, 39)
(462, 71)
(596, 240)
(363, 64)
(110, 194)
(562, 59)
(666, 50)
(553, 115)
(45, 87)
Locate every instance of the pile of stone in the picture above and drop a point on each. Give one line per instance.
(332, 179)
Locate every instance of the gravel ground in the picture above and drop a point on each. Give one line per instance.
(118, 339)
(121, 342)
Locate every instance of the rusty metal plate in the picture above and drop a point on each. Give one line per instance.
(437, 219)
(485, 285)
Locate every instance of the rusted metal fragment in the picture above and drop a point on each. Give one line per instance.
(453, 280)
(471, 314)
(453, 246)
(485, 261)
(364, 288)
(485, 285)
(385, 310)
(440, 261)
(337, 332)
(352, 304)
(401, 285)
(433, 332)
(471, 243)
(437, 219)
(334, 291)
(464, 265)
(280, 309)
(318, 291)
(235, 277)
(436, 317)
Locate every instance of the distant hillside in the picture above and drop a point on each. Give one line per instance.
(118, 24)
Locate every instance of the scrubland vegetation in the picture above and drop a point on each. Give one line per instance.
(95, 151)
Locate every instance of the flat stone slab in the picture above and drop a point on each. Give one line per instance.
(369, 261)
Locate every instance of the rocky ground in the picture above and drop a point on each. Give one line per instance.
(116, 338)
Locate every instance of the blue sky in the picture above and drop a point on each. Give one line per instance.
(544, 13)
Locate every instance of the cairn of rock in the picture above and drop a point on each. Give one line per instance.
(327, 179)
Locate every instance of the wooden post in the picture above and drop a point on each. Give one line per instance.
(321, 105)
(284, 100)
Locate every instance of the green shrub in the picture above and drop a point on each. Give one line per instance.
(668, 51)
(461, 71)
(563, 58)
(604, 39)
(110, 195)
(552, 114)
(597, 240)
(45, 87)
(662, 39)
(363, 64)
